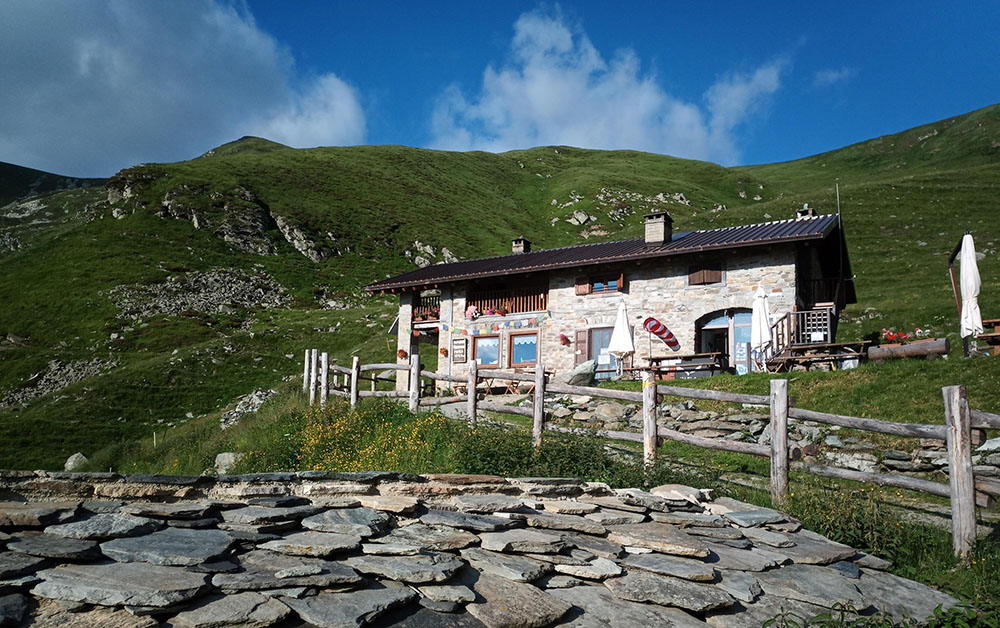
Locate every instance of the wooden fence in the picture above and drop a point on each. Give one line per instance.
(964, 490)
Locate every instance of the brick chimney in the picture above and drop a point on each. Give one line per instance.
(659, 229)
(520, 245)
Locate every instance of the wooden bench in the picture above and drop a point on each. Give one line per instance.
(691, 365)
(991, 335)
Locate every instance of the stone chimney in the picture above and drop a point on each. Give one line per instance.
(805, 212)
(520, 245)
(659, 229)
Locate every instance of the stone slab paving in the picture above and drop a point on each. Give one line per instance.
(441, 551)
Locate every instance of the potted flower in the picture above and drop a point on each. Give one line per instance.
(402, 354)
(444, 352)
(564, 340)
(502, 310)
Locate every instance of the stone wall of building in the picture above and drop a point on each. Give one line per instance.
(655, 287)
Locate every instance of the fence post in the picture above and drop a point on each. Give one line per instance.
(779, 441)
(539, 406)
(324, 378)
(649, 436)
(313, 374)
(355, 374)
(305, 372)
(471, 390)
(960, 477)
(414, 383)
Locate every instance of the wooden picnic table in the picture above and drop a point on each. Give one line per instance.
(991, 334)
(688, 363)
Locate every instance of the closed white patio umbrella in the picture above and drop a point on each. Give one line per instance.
(972, 319)
(621, 343)
(760, 324)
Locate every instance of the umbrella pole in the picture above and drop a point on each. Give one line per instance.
(954, 289)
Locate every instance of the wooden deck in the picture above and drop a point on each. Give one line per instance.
(808, 354)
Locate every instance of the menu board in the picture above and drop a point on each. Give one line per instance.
(459, 353)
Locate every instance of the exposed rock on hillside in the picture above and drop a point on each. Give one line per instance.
(59, 375)
(211, 292)
(245, 405)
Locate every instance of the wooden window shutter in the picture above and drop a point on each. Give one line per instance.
(581, 346)
(696, 276)
(621, 282)
(582, 285)
(713, 274)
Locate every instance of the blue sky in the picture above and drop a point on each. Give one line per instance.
(99, 86)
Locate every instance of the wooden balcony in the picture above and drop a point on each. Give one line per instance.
(515, 301)
(427, 308)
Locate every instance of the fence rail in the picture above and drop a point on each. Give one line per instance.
(964, 490)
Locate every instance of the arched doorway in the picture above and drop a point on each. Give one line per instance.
(726, 332)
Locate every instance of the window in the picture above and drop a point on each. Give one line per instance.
(598, 284)
(523, 348)
(705, 273)
(486, 351)
(607, 364)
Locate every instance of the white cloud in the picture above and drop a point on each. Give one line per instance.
(558, 89)
(826, 78)
(91, 87)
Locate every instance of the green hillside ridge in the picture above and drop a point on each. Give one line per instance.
(19, 182)
(363, 213)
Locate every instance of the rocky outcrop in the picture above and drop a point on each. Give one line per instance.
(247, 404)
(300, 240)
(57, 376)
(127, 184)
(345, 549)
(211, 292)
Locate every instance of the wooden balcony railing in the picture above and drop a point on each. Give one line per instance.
(515, 301)
(427, 308)
(817, 326)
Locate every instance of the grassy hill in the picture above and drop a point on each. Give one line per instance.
(330, 220)
(20, 182)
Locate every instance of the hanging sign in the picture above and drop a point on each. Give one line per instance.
(660, 330)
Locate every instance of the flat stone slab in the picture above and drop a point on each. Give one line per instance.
(487, 503)
(512, 567)
(686, 568)
(12, 608)
(250, 610)
(34, 515)
(813, 584)
(453, 593)
(741, 585)
(389, 549)
(761, 536)
(467, 521)
(750, 518)
(313, 543)
(432, 538)
(105, 526)
(120, 584)
(727, 533)
(568, 507)
(659, 538)
(572, 523)
(418, 569)
(811, 548)
(900, 597)
(353, 608)
(687, 519)
(753, 559)
(257, 515)
(172, 546)
(52, 613)
(52, 546)
(391, 503)
(597, 569)
(363, 522)
(15, 565)
(636, 497)
(753, 615)
(525, 541)
(178, 510)
(613, 503)
(261, 568)
(502, 603)
(601, 609)
(595, 545)
(641, 586)
(608, 517)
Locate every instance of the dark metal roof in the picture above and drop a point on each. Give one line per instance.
(792, 230)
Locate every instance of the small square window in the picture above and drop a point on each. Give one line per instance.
(486, 351)
(705, 274)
